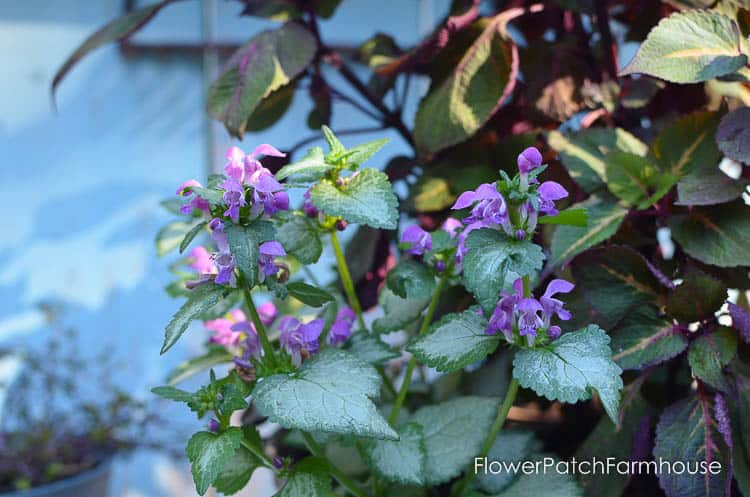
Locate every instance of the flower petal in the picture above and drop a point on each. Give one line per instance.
(552, 190)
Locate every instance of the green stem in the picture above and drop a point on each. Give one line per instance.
(264, 341)
(339, 475)
(259, 454)
(413, 361)
(346, 279)
(502, 414)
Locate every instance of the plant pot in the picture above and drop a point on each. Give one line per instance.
(91, 483)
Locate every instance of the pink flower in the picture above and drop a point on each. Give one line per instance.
(202, 261)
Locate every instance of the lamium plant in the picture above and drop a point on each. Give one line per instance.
(555, 270)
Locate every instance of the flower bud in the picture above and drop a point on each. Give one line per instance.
(213, 426)
(340, 225)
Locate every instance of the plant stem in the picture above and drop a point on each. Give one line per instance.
(413, 361)
(339, 475)
(264, 341)
(502, 414)
(346, 279)
(259, 454)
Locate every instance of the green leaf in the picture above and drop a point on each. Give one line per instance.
(698, 297)
(358, 155)
(310, 478)
(185, 243)
(335, 147)
(272, 108)
(710, 353)
(243, 243)
(455, 341)
(687, 433)
(708, 186)
(644, 339)
(201, 299)
(584, 154)
(615, 280)
(450, 445)
(571, 367)
(690, 47)
(330, 393)
(308, 294)
(410, 279)
(171, 236)
(267, 62)
(115, 30)
(371, 349)
(466, 99)
(510, 447)
(237, 472)
(568, 217)
(209, 453)
(717, 235)
(547, 483)
(300, 237)
(494, 261)
(398, 313)
(214, 356)
(309, 168)
(401, 460)
(172, 393)
(367, 198)
(605, 218)
(636, 181)
(733, 135)
(687, 145)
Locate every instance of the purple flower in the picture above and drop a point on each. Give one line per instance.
(553, 306)
(195, 202)
(503, 317)
(298, 339)
(529, 160)
(451, 225)
(234, 197)
(529, 320)
(213, 426)
(268, 252)
(240, 165)
(267, 312)
(549, 191)
(489, 205)
(201, 261)
(461, 250)
(222, 328)
(740, 321)
(250, 344)
(223, 259)
(341, 329)
(418, 239)
(308, 207)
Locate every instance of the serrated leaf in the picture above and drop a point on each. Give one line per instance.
(214, 356)
(633, 179)
(687, 433)
(237, 472)
(359, 154)
(398, 312)
(733, 135)
(717, 235)
(584, 154)
(309, 168)
(331, 392)
(209, 453)
(310, 478)
(172, 393)
(244, 246)
(185, 243)
(371, 349)
(690, 47)
(335, 147)
(267, 62)
(450, 445)
(467, 98)
(605, 218)
(201, 299)
(698, 297)
(368, 199)
(710, 353)
(171, 236)
(643, 339)
(300, 238)
(410, 279)
(400, 460)
(571, 367)
(494, 261)
(510, 447)
(455, 341)
(308, 294)
(548, 483)
(569, 217)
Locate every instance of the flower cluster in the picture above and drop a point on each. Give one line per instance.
(416, 241)
(519, 316)
(301, 340)
(247, 185)
(238, 335)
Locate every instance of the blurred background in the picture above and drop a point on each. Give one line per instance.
(80, 187)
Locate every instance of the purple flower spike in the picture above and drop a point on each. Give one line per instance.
(341, 329)
(234, 197)
(528, 160)
(549, 191)
(268, 252)
(740, 321)
(195, 202)
(420, 241)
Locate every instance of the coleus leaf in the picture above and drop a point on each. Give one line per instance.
(401, 460)
(367, 198)
(268, 61)
(710, 353)
(209, 453)
(699, 296)
(690, 47)
(635, 180)
(571, 367)
(455, 341)
(687, 145)
(643, 339)
(331, 392)
(733, 135)
(201, 299)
